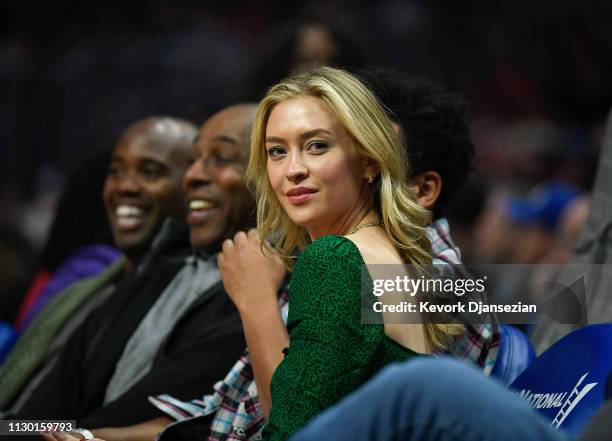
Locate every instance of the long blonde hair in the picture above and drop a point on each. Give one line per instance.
(365, 120)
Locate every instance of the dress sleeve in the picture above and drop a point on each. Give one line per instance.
(330, 351)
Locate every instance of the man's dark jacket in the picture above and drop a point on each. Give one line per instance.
(201, 348)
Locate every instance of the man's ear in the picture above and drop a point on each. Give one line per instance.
(427, 187)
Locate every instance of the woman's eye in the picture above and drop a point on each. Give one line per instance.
(317, 146)
(276, 152)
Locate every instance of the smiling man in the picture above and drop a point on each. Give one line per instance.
(142, 188)
(219, 201)
(169, 326)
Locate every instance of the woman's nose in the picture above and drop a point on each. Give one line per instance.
(297, 169)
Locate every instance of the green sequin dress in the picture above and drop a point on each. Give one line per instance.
(331, 353)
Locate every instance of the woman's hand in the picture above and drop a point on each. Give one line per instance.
(251, 278)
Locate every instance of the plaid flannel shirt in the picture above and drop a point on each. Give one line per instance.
(235, 403)
(480, 342)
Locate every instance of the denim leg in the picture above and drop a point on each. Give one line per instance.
(430, 399)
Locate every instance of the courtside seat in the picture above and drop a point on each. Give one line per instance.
(567, 383)
(515, 354)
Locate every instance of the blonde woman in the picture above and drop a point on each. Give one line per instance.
(329, 174)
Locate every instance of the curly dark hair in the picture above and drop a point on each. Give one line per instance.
(436, 134)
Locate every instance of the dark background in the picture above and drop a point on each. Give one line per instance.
(537, 75)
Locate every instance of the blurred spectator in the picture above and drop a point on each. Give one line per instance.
(79, 242)
(493, 232)
(536, 218)
(303, 45)
(464, 211)
(569, 227)
(16, 256)
(566, 234)
(535, 233)
(593, 249)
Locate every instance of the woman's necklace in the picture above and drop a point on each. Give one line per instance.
(367, 224)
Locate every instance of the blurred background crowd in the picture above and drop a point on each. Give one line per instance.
(75, 74)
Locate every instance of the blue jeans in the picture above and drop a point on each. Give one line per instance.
(430, 399)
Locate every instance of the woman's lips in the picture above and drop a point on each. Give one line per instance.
(300, 197)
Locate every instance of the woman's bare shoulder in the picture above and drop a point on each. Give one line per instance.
(375, 247)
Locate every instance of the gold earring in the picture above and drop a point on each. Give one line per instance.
(371, 179)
